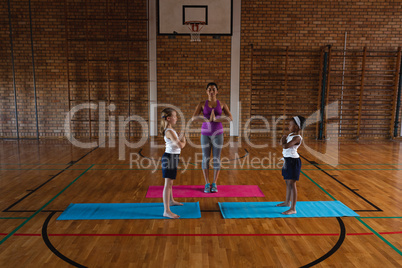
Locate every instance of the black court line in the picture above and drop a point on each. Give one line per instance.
(143, 156)
(377, 209)
(46, 211)
(51, 247)
(338, 244)
(70, 164)
(241, 156)
(247, 153)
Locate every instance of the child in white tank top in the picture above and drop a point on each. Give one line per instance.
(292, 166)
(170, 159)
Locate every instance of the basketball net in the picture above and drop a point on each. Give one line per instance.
(195, 30)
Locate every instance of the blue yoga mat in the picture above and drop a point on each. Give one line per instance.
(125, 211)
(305, 209)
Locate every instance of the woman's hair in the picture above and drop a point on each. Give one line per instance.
(212, 84)
(302, 121)
(165, 113)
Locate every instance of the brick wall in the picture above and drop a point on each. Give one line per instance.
(97, 31)
(184, 67)
(6, 78)
(307, 25)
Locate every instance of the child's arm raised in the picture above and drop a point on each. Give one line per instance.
(171, 136)
(196, 115)
(295, 141)
(283, 140)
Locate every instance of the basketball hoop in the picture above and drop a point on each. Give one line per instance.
(195, 28)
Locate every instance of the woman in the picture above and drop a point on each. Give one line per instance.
(211, 133)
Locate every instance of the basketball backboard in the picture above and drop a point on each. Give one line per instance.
(173, 14)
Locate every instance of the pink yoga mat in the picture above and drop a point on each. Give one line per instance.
(198, 191)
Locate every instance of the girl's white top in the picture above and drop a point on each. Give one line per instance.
(171, 146)
(292, 151)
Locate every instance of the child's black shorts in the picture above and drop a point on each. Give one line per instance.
(170, 162)
(291, 168)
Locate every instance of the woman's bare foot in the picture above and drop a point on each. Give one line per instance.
(284, 204)
(170, 215)
(175, 203)
(289, 212)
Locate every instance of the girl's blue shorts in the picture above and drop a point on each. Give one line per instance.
(170, 162)
(291, 168)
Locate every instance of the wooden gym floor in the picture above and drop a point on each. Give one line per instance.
(39, 179)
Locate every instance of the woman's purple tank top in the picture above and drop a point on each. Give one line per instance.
(212, 128)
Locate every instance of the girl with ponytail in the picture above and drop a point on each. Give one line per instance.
(170, 159)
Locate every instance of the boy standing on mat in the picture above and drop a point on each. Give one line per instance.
(170, 159)
(292, 166)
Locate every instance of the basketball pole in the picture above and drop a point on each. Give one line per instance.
(398, 101)
(343, 82)
(152, 69)
(323, 91)
(235, 69)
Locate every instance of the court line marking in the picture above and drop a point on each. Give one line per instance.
(58, 169)
(23, 218)
(45, 205)
(13, 218)
(306, 164)
(335, 169)
(152, 235)
(38, 164)
(359, 219)
(32, 211)
(333, 198)
(70, 164)
(391, 217)
(53, 248)
(311, 169)
(380, 236)
(377, 209)
(335, 248)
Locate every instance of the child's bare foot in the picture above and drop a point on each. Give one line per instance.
(175, 203)
(284, 204)
(170, 215)
(289, 212)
